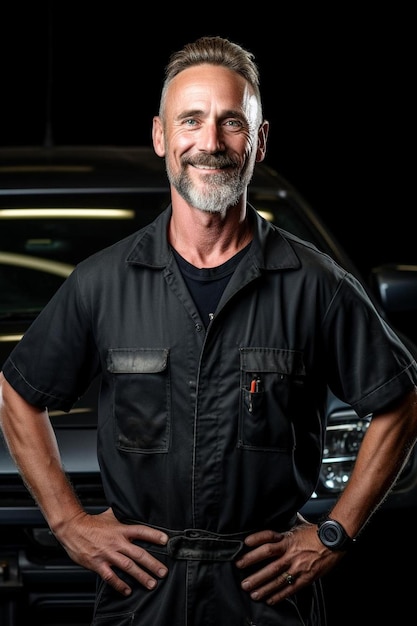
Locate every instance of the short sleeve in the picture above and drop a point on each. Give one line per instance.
(56, 360)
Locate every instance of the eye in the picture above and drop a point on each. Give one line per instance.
(234, 123)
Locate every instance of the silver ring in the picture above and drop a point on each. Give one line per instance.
(289, 579)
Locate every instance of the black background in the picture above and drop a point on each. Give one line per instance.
(337, 87)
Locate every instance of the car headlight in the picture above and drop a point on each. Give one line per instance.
(344, 436)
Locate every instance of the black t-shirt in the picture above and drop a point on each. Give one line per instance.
(206, 285)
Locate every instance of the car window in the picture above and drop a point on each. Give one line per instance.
(42, 241)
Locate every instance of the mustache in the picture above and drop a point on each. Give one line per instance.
(210, 160)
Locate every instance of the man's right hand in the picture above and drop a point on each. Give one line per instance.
(101, 543)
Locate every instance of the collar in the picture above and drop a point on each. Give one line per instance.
(271, 248)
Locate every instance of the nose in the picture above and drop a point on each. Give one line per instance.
(211, 138)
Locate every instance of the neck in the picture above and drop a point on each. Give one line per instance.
(208, 239)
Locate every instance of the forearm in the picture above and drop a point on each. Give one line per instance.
(33, 446)
(382, 455)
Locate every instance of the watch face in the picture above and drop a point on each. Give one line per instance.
(331, 533)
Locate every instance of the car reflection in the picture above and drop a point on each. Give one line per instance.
(27, 283)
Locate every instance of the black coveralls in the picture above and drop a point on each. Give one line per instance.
(182, 442)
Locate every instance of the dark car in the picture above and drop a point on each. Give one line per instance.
(59, 205)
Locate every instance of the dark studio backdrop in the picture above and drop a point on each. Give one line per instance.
(337, 90)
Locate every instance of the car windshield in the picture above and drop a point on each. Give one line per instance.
(42, 241)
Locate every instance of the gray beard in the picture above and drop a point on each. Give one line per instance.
(224, 191)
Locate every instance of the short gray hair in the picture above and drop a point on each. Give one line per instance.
(215, 51)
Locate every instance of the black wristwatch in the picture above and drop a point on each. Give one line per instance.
(333, 535)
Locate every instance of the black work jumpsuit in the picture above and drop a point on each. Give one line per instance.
(218, 431)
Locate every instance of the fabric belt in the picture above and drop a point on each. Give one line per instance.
(200, 545)
(194, 544)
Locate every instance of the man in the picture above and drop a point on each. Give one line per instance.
(216, 336)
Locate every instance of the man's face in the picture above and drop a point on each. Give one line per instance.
(209, 136)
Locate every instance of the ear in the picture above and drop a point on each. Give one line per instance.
(158, 136)
(262, 139)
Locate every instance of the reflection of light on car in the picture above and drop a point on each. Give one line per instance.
(266, 215)
(10, 338)
(43, 169)
(36, 263)
(65, 213)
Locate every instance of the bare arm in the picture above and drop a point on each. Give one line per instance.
(382, 455)
(299, 552)
(33, 446)
(98, 542)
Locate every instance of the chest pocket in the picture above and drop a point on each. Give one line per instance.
(141, 387)
(272, 381)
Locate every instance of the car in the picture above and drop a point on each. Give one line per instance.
(60, 204)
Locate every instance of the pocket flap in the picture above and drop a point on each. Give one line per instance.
(137, 360)
(288, 362)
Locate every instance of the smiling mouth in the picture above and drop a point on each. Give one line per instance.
(208, 167)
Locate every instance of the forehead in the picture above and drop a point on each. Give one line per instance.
(199, 86)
